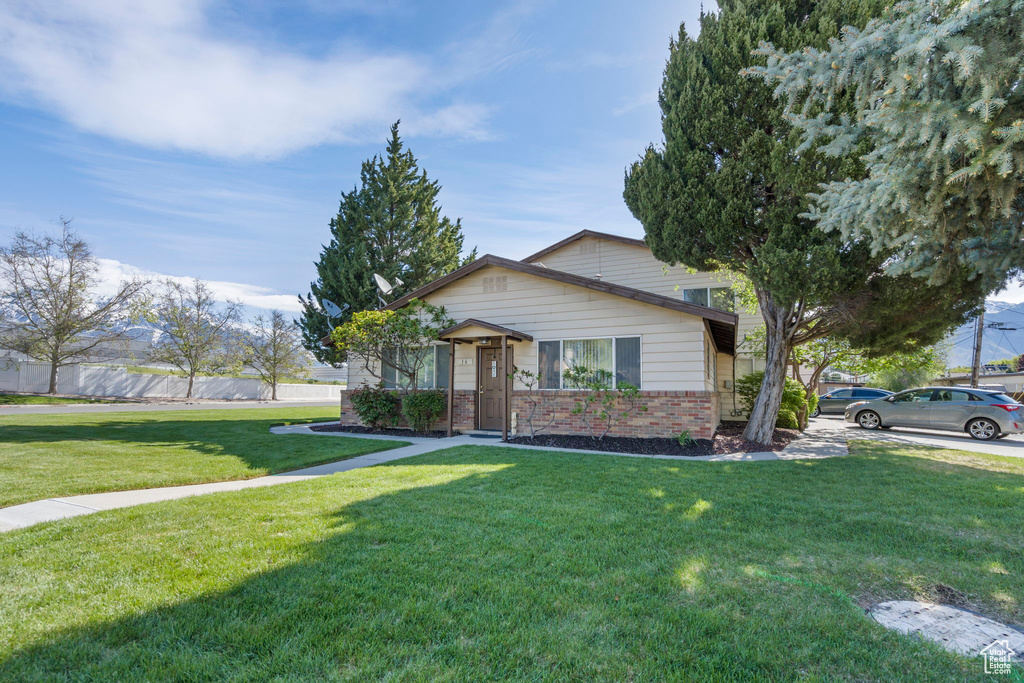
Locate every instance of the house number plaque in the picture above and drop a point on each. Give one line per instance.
(494, 368)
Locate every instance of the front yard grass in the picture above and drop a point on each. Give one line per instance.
(46, 456)
(487, 563)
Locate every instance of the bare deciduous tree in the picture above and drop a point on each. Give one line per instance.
(196, 332)
(50, 309)
(273, 348)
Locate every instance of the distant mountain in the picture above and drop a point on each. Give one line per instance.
(995, 343)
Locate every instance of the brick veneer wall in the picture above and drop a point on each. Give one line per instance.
(668, 413)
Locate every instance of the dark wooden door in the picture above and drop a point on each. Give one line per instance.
(491, 398)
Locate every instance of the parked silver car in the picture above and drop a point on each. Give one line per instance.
(983, 414)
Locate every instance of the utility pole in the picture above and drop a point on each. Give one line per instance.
(978, 332)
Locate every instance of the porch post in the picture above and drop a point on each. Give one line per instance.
(451, 385)
(505, 392)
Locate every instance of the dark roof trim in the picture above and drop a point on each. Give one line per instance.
(580, 235)
(640, 295)
(497, 329)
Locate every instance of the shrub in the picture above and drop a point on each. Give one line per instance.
(685, 438)
(423, 408)
(787, 419)
(598, 394)
(376, 406)
(793, 398)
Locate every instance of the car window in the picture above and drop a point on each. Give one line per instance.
(951, 395)
(919, 396)
(842, 393)
(868, 393)
(1002, 398)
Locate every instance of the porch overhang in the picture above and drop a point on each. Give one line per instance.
(471, 331)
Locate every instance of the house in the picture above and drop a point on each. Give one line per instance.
(592, 298)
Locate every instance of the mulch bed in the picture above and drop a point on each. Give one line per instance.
(397, 431)
(728, 439)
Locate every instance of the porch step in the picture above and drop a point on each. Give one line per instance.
(482, 433)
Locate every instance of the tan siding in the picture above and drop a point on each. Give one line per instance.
(635, 266)
(671, 342)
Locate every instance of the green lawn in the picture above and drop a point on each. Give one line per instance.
(484, 563)
(35, 399)
(43, 456)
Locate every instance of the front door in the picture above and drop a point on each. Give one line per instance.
(490, 405)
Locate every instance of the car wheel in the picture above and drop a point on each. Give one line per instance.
(982, 429)
(817, 412)
(869, 420)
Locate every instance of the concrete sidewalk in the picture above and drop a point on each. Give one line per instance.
(819, 442)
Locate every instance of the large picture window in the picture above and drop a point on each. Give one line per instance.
(433, 373)
(619, 356)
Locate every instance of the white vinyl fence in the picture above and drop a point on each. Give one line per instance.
(85, 380)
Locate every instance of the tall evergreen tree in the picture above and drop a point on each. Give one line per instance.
(936, 87)
(728, 189)
(391, 225)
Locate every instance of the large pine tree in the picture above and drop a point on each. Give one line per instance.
(391, 225)
(728, 189)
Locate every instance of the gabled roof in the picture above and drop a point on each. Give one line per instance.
(580, 235)
(721, 323)
(470, 323)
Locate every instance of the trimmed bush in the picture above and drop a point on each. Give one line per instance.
(376, 406)
(423, 408)
(786, 419)
(793, 399)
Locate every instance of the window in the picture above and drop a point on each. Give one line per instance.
(498, 283)
(714, 297)
(433, 372)
(949, 396)
(620, 356)
(842, 393)
(710, 362)
(919, 396)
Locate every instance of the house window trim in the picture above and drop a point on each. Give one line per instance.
(561, 355)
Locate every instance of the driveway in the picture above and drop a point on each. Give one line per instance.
(1012, 446)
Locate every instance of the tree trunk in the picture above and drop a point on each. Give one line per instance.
(191, 381)
(273, 390)
(54, 365)
(761, 425)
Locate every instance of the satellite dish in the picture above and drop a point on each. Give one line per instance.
(383, 285)
(333, 310)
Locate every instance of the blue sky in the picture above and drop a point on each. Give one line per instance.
(212, 139)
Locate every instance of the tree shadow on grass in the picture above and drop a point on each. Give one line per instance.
(248, 439)
(485, 563)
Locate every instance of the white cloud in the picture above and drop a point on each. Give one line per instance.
(1013, 293)
(113, 272)
(152, 73)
